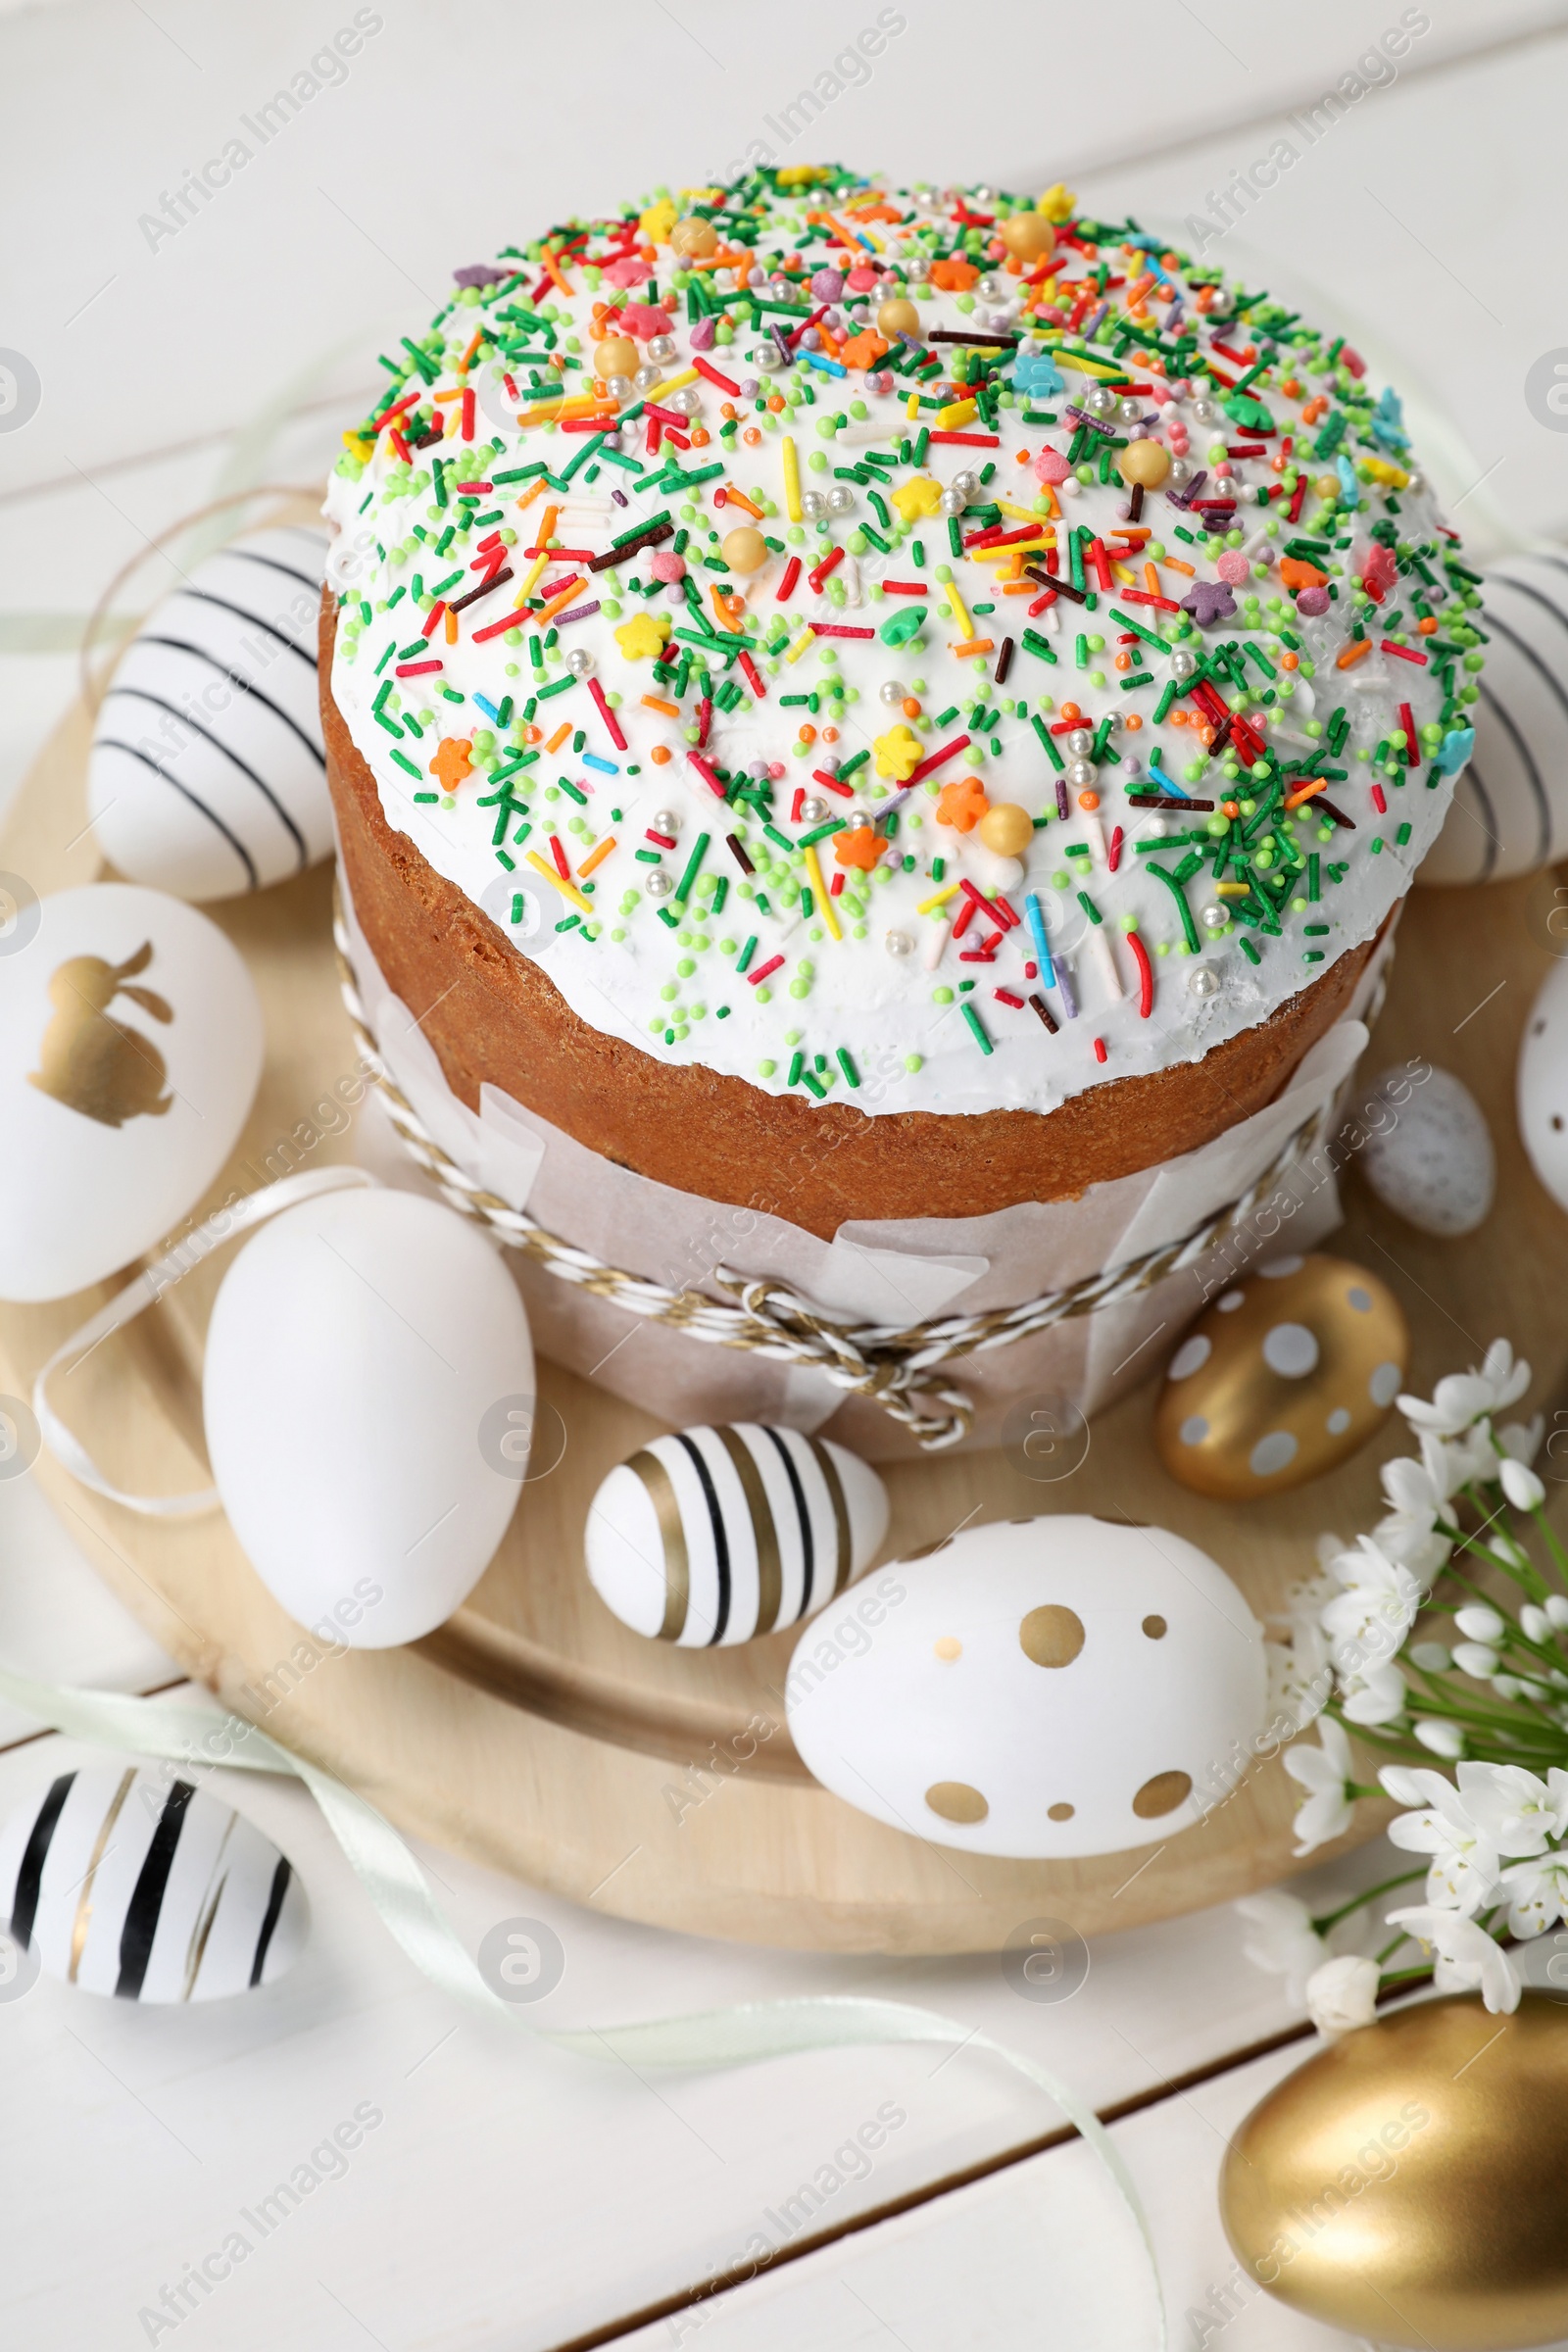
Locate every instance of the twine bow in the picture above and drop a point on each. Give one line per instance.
(896, 1367)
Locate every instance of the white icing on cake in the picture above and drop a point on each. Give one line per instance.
(870, 1012)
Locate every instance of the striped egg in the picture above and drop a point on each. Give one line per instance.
(131, 1881)
(208, 777)
(711, 1536)
(1510, 805)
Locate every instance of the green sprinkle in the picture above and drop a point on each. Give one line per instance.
(976, 1030)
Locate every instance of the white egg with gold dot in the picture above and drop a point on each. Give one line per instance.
(1043, 1688)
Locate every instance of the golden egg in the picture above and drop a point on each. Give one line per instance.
(616, 355)
(1007, 828)
(744, 550)
(1287, 1373)
(1145, 461)
(1027, 235)
(1410, 2183)
(898, 315)
(694, 238)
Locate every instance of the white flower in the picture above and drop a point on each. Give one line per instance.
(1342, 1994)
(1368, 1620)
(1521, 1440)
(1537, 1893)
(1463, 1873)
(1373, 1694)
(1518, 1813)
(1286, 1944)
(1476, 1660)
(1466, 1955)
(1442, 1738)
(1520, 1484)
(1479, 1621)
(1323, 1772)
(1300, 1675)
(1452, 1463)
(1463, 1396)
(1410, 1533)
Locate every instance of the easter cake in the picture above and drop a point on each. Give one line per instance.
(877, 702)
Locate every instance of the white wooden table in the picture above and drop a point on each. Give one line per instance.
(511, 2197)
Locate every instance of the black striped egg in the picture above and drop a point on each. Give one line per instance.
(714, 1536)
(1510, 805)
(208, 777)
(133, 1881)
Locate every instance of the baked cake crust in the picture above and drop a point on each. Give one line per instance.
(494, 1016)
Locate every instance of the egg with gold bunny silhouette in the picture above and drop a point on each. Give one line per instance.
(130, 1050)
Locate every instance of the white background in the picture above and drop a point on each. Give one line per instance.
(514, 2199)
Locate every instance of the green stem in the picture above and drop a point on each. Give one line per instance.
(1332, 1919)
(1559, 1558)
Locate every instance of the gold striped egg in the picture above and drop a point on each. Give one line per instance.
(1287, 1374)
(1409, 2183)
(714, 1536)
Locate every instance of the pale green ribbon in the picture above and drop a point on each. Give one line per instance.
(397, 1887)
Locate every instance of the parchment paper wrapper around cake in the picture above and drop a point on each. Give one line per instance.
(896, 1271)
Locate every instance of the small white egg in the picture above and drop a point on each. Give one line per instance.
(369, 1395)
(1428, 1153)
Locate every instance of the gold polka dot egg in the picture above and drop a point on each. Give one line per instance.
(1288, 1372)
(1043, 1688)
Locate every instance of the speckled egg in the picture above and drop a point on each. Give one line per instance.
(1043, 1688)
(1428, 1152)
(1287, 1374)
(1541, 1085)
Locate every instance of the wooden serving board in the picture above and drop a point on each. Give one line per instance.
(537, 1734)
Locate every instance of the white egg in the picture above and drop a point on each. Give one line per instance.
(130, 1050)
(714, 1536)
(368, 1394)
(129, 1880)
(1428, 1152)
(1043, 1688)
(208, 776)
(1541, 1085)
(1509, 813)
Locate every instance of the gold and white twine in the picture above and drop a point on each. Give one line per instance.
(898, 1368)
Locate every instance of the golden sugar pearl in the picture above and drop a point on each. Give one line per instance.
(695, 238)
(616, 355)
(947, 1648)
(744, 550)
(1006, 829)
(1027, 236)
(1327, 485)
(897, 316)
(1145, 461)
